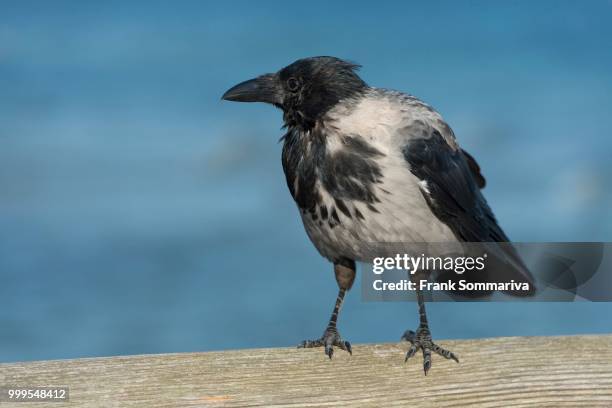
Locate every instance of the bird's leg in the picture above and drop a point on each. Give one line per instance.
(345, 276)
(422, 338)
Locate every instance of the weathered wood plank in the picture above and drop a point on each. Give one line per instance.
(507, 372)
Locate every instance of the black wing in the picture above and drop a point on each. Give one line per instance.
(453, 194)
(475, 169)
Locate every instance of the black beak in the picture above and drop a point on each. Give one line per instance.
(264, 88)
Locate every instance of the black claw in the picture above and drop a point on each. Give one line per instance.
(411, 352)
(348, 347)
(426, 360)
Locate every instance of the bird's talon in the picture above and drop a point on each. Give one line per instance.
(330, 338)
(347, 347)
(422, 340)
(411, 352)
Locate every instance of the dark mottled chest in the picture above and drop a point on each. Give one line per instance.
(348, 173)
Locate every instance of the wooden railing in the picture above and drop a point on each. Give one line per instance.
(500, 372)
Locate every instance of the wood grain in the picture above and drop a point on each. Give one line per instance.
(500, 372)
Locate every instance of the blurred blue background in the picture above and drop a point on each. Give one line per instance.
(140, 214)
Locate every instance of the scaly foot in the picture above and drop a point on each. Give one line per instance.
(422, 340)
(330, 338)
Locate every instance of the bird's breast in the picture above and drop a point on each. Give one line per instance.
(353, 197)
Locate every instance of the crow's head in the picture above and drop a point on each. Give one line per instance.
(304, 90)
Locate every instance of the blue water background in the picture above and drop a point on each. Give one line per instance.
(140, 214)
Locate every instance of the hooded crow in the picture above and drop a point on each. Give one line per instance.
(367, 165)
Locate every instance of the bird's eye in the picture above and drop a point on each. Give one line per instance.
(293, 84)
